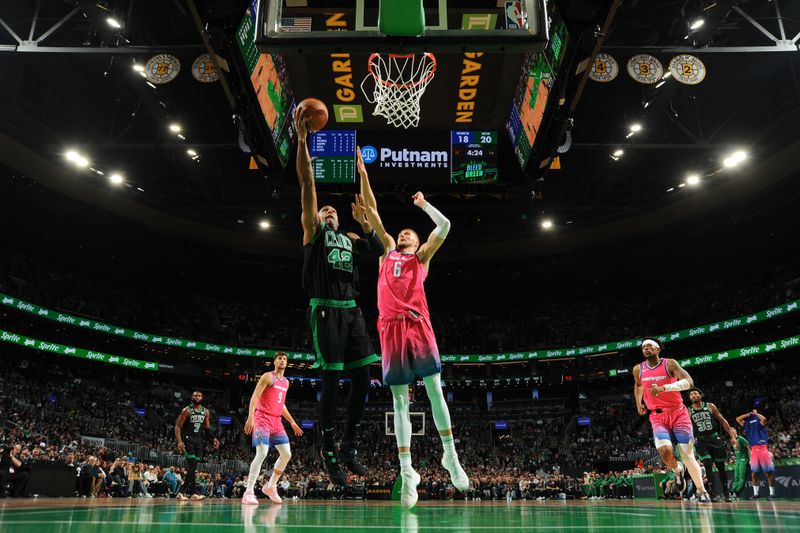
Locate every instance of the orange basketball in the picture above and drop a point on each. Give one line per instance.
(316, 111)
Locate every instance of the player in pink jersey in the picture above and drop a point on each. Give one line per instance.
(267, 405)
(659, 382)
(408, 345)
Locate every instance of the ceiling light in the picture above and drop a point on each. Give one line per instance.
(116, 179)
(697, 24)
(646, 105)
(681, 185)
(264, 224)
(628, 136)
(666, 75)
(659, 84)
(191, 152)
(139, 189)
(671, 189)
(181, 137)
(734, 159)
(618, 152)
(694, 179)
(72, 155)
(636, 127)
(142, 73)
(547, 224)
(114, 23)
(150, 84)
(176, 128)
(138, 68)
(77, 158)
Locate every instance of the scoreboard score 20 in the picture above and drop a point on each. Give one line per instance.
(473, 156)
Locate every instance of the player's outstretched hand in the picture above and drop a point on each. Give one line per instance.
(248, 426)
(362, 169)
(359, 208)
(297, 431)
(419, 199)
(642, 410)
(181, 448)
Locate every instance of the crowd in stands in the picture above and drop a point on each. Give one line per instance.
(506, 327)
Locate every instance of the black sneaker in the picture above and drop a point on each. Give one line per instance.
(728, 498)
(333, 468)
(349, 456)
(753, 497)
(716, 498)
(770, 497)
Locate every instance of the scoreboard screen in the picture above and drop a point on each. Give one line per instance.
(473, 156)
(333, 156)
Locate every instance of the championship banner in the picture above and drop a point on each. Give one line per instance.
(548, 353)
(36, 344)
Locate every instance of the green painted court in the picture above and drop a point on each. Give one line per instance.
(122, 516)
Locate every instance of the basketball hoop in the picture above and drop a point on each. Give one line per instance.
(400, 81)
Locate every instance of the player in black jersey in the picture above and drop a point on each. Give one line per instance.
(191, 430)
(338, 331)
(707, 421)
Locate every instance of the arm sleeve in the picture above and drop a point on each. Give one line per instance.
(441, 221)
(370, 245)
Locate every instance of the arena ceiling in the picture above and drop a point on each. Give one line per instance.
(76, 89)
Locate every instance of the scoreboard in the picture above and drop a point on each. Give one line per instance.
(333, 156)
(473, 156)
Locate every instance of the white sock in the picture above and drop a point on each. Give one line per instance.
(405, 461)
(772, 490)
(755, 490)
(255, 466)
(449, 445)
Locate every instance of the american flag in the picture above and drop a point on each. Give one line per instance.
(296, 24)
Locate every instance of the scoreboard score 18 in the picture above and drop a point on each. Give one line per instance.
(473, 156)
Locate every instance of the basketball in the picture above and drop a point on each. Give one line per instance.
(316, 110)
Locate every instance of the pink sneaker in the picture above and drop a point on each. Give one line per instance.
(249, 498)
(272, 494)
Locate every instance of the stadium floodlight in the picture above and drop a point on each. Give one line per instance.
(137, 67)
(694, 179)
(175, 128)
(618, 152)
(191, 152)
(77, 159)
(636, 127)
(734, 159)
(114, 23)
(547, 223)
(264, 224)
(697, 24)
(116, 179)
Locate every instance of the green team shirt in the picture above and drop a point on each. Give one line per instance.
(703, 422)
(195, 422)
(743, 453)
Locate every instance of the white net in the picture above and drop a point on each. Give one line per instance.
(398, 83)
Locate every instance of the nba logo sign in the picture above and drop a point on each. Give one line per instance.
(369, 154)
(516, 17)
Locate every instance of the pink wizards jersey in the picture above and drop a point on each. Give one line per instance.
(659, 376)
(273, 398)
(401, 286)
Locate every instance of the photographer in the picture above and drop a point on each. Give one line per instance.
(10, 470)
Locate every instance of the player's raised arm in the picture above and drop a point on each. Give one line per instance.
(264, 382)
(366, 188)
(438, 235)
(741, 418)
(305, 174)
(375, 221)
(371, 245)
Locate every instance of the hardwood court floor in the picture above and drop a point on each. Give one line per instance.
(128, 516)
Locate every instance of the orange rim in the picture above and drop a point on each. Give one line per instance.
(409, 85)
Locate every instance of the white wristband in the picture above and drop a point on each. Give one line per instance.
(441, 221)
(677, 386)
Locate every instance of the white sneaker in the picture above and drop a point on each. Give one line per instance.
(408, 493)
(457, 474)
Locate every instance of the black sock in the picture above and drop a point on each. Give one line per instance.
(723, 476)
(356, 402)
(327, 407)
(710, 485)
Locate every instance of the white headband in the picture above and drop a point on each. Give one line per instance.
(650, 341)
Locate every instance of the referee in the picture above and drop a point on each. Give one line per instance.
(707, 420)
